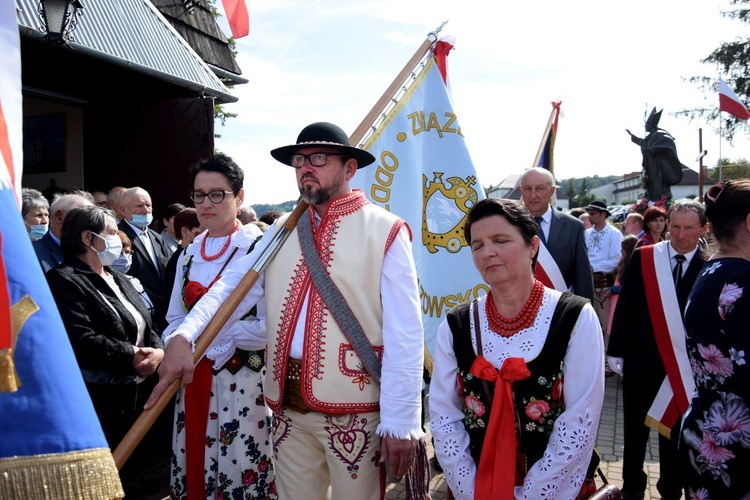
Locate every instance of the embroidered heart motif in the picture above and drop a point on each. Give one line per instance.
(280, 429)
(350, 445)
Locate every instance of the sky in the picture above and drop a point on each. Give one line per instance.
(331, 60)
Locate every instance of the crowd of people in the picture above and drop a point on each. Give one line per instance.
(313, 385)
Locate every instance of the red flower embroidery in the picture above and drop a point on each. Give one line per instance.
(535, 410)
(557, 390)
(474, 405)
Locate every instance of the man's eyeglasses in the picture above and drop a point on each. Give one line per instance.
(315, 159)
(715, 191)
(102, 204)
(216, 196)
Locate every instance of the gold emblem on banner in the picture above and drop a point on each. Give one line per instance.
(444, 211)
(20, 313)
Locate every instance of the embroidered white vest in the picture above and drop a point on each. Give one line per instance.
(352, 240)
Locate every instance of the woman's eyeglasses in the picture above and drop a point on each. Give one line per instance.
(315, 159)
(216, 196)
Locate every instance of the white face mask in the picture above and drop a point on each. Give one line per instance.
(122, 263)
(112, 250)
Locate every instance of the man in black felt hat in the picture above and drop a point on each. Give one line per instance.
(335, 423)
(604, 245)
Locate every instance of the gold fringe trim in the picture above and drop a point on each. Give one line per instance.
(85, 475)
(658, 426)
(8, 377)
(428, 361)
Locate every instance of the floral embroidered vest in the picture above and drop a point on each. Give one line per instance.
(538, 399)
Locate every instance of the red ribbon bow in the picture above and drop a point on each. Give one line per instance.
(497, 465)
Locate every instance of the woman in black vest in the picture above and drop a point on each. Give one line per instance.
(519, 420)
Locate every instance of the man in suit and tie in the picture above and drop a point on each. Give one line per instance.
(47, 248)
(647, 346)
(563, 263)
(150, 253)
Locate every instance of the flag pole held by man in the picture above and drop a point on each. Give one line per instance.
(319, 350)
(424, 174)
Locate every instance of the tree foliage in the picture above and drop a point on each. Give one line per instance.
(739, 169)
(731, 59)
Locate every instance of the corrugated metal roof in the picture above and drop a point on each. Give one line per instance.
(133, 33)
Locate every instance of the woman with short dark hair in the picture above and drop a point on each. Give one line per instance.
(222, 443)
(500, 363)
(110, 330)
(169, 234)
(715, 434)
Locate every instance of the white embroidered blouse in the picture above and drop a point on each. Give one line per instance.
(248, 334)
(560, 472)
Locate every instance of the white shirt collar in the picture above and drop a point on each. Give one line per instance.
(546, 216)
(688, 256)
(136, 229)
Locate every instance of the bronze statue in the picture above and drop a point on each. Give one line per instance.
(661, 167)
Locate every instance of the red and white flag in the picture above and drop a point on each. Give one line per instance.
(238, 17)
(730, 102)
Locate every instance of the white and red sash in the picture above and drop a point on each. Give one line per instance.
(675, 392)
(548, 272)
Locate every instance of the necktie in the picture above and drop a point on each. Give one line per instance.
(677, 273)
(539, 221)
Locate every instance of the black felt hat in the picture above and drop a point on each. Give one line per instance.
(326, 135)
(597, 205)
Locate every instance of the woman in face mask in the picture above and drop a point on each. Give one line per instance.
(123, 263)
(110, 330)
(35, 212)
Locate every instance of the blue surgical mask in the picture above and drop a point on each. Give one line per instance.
(112, 250)
(37, 230)
(122, 263)
(140, 220)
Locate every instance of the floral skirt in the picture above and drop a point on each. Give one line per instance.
(238, 448)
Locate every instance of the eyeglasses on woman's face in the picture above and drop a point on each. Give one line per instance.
(216, 196)
(315, 159)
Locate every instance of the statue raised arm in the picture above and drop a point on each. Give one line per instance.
(661, 166)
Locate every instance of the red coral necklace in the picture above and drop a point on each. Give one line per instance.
(524, 319)
(224, 248)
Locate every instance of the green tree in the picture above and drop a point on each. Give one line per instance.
(739, 169)
(732, 59)
(572, 194)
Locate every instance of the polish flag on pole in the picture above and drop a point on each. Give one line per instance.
(239, 19)
(730, 102)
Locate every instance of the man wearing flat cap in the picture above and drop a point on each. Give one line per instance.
(604, 245)
(342, 303)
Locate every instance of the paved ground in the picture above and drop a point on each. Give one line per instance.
(609, 444)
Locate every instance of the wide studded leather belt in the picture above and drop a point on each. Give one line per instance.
(293, 388)
(603, 280)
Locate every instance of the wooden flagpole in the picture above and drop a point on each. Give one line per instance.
(148, 417)
(379, 107)
(391, 91)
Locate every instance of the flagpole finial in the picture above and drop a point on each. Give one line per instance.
(434, 34)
